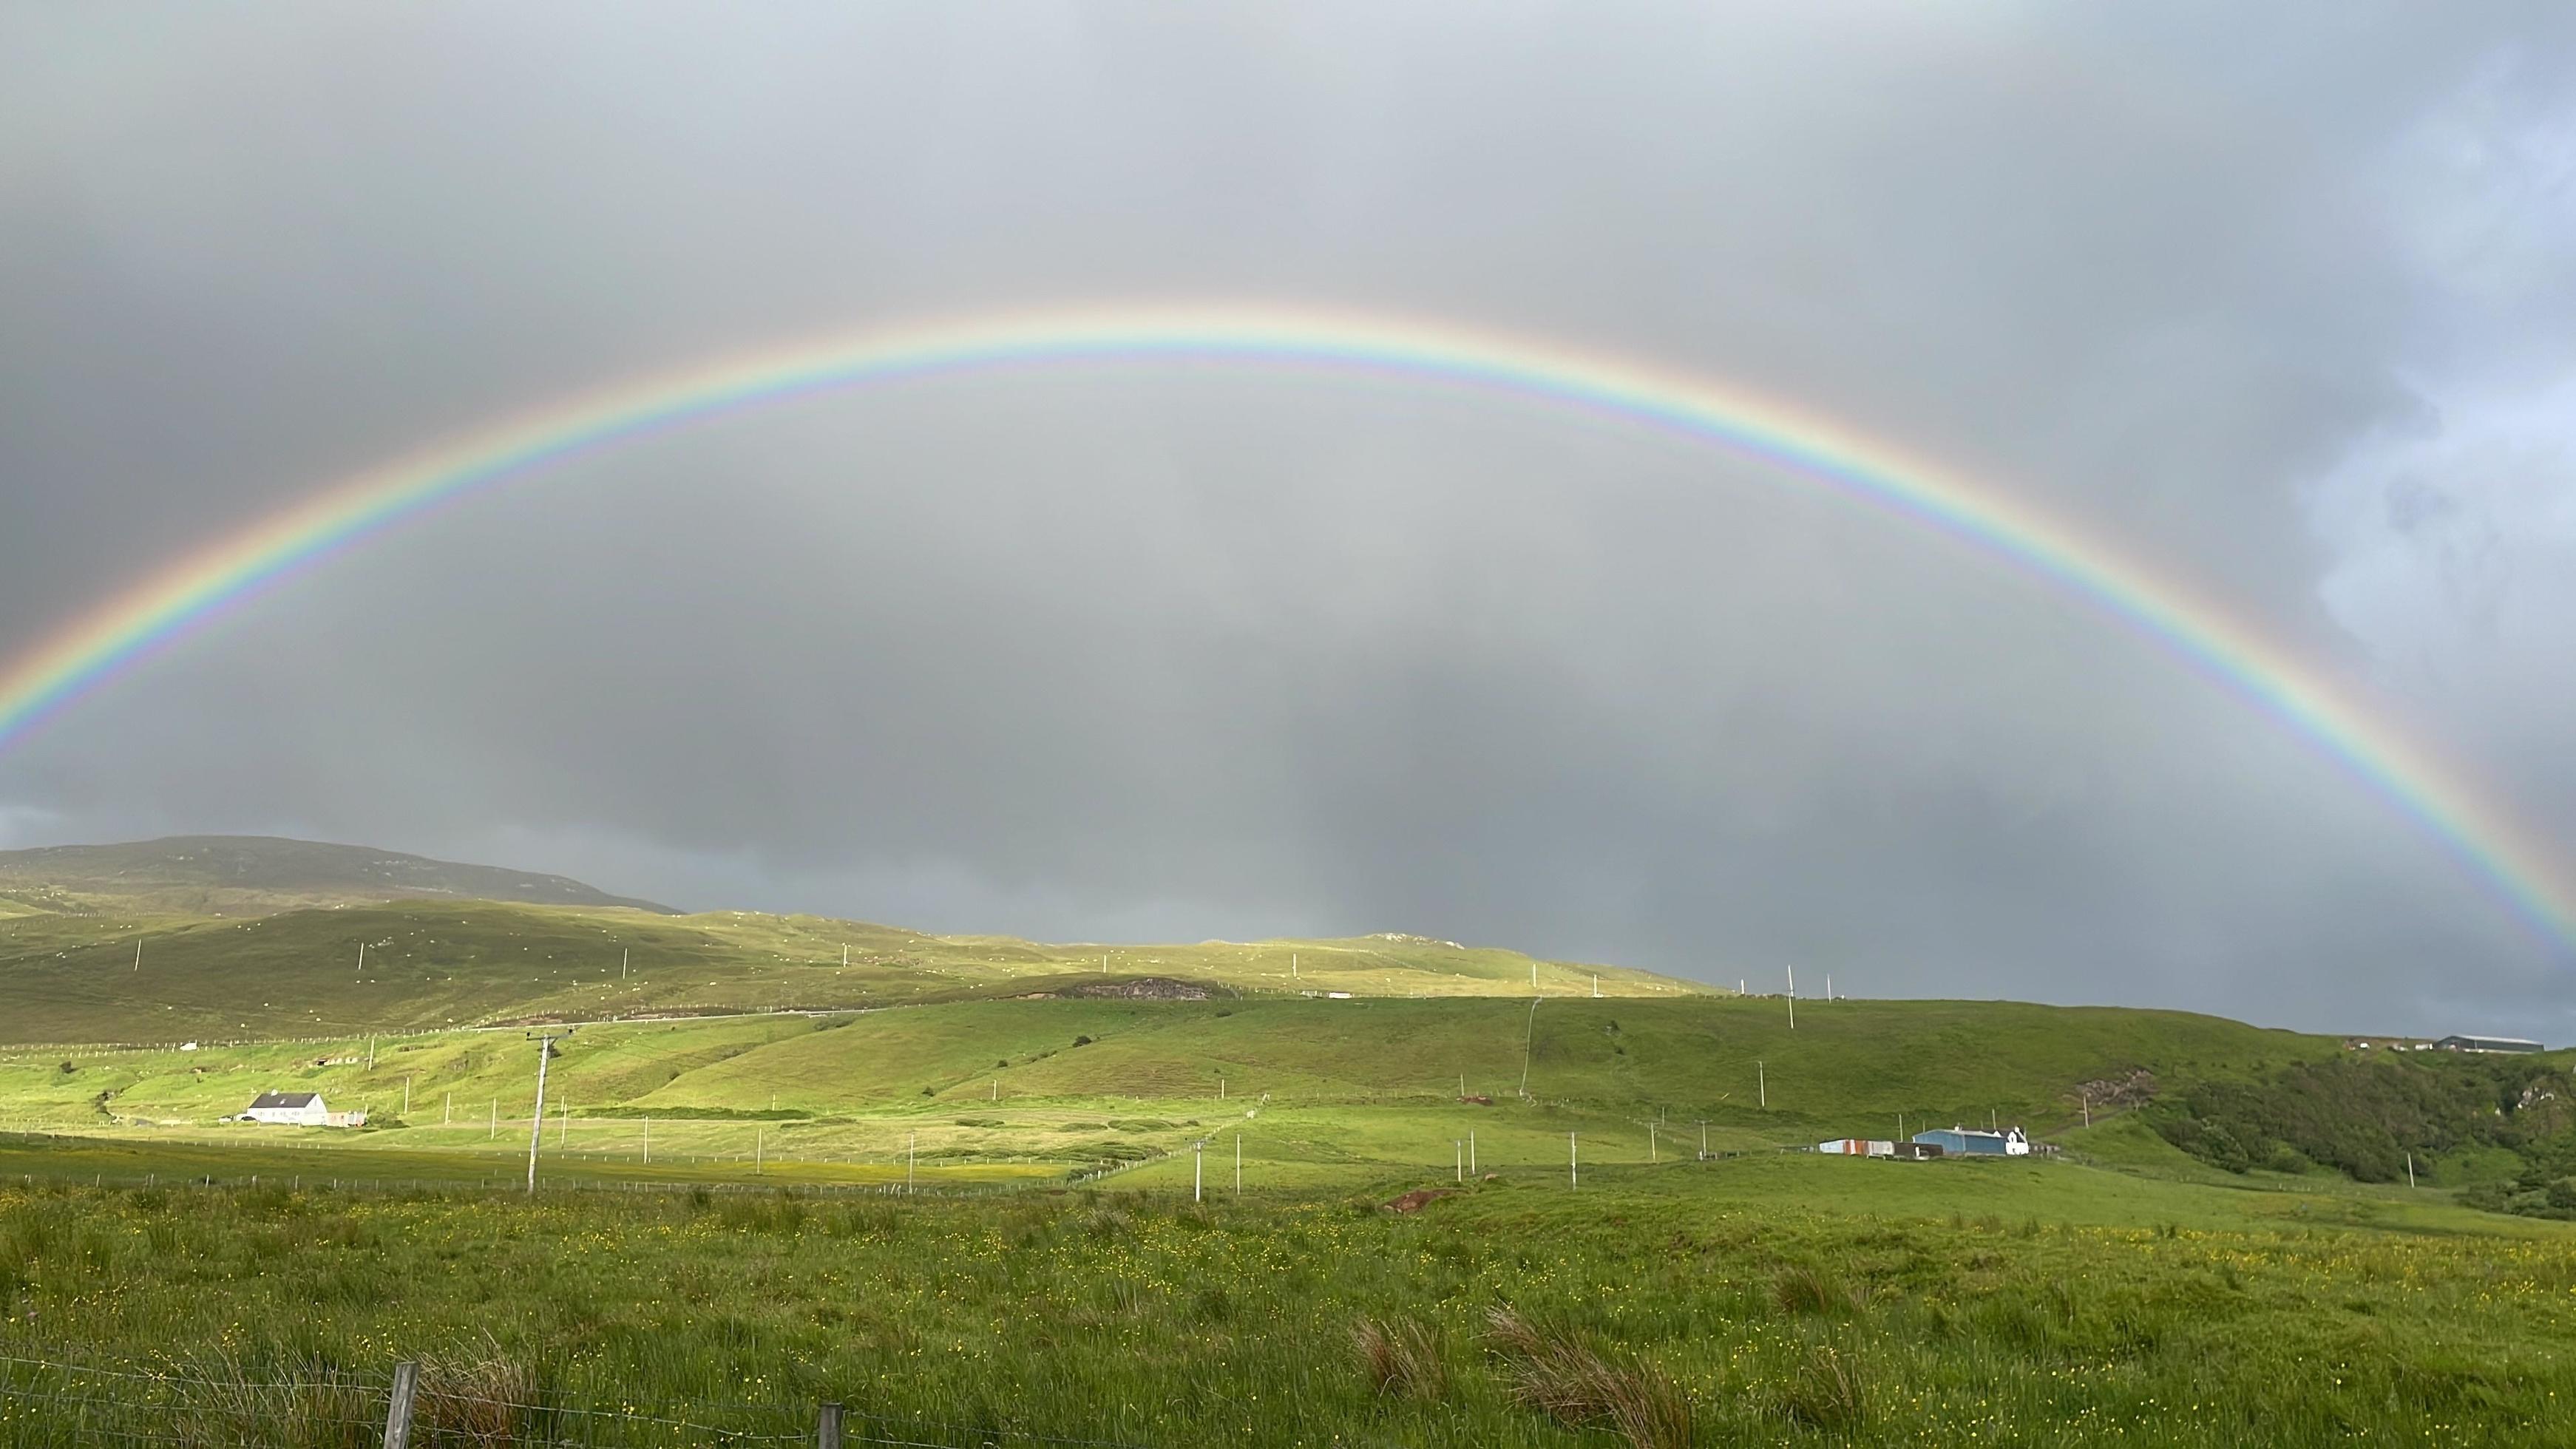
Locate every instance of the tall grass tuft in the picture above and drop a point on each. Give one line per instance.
(1401, 1358)
(480, 1401)
(1826, 1392)
(1574, 1384)
(1804, 1288)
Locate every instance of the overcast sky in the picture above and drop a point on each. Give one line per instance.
(2280, 299)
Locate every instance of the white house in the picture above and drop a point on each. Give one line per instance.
(294, 1109)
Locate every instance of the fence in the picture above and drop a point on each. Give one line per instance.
(46, 1404)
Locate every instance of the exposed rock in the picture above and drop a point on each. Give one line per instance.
(1145, 988)
(1416, 1200)
(2130, 1090)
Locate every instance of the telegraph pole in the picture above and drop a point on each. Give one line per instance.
(1793, 998)
(537, 1116)
(1761, 1084)
(1527, 1041)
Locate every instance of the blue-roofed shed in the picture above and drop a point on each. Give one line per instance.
(1970, 1142)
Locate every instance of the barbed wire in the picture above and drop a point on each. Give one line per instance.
(70, 1402)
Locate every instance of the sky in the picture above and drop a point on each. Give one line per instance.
(2281, 302)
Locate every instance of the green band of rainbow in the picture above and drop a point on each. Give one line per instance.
(168, 606)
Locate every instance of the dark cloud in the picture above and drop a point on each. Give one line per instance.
(1155, 651)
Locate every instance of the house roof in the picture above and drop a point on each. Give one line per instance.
(284, 1099)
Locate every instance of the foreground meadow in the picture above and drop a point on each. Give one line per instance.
(1775, 1300)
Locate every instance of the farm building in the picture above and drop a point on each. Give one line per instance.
(1857, 1147)
(2488, 1044)
(1917, 1151)
(294, 1109)
(1969, 1142)
(299, 1109)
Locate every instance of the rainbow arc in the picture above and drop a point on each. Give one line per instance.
(118, 636)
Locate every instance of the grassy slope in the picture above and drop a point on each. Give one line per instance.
(71, 978)
(241, 875)
(1317, 1089)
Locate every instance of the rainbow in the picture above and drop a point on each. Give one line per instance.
(183, 598)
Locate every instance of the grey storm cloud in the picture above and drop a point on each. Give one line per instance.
(2279, 301)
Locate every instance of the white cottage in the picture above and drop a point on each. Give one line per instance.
(294, 1109)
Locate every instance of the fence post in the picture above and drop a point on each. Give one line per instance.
(398, 1413)
(827, 1434)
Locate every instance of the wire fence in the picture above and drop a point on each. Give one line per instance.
(50, 1404)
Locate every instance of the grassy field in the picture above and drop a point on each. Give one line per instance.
(951, 1182)
(1313, 1089)
(1766, 1299)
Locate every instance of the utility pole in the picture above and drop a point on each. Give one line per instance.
(1471, 1151)
(1829, 986)
(1761, 1085)
(1703, 1139)
(1238, 1164)
(1793, 998)
(1198, 1170)
(536, 1116)
(1596, 986)
(648, 1142)
(496, 1121)
(447, 1111)
(759, 1149)
(138, 953)
(1529, 1040)
(362, 960)
(2410, 1169)
(1573, 1172)
(1654, 1154)
(1292, 967)
(406, 1094)
(624, 954)
(845, 955)
(1458, 1158)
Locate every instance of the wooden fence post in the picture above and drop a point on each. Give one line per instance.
(398, 1413)
(827, 1434)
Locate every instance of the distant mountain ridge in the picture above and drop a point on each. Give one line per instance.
(254, 874)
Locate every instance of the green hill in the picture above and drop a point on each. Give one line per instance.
(76, 977)
(241, 875)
